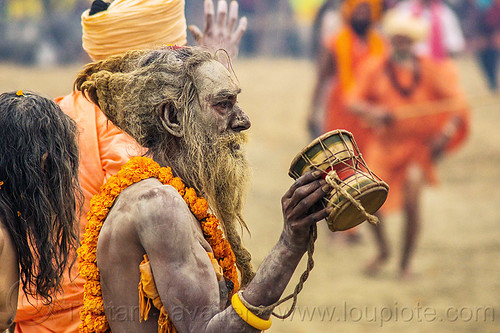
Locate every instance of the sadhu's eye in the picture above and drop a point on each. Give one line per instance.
(224, 104)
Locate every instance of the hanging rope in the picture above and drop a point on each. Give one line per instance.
(261, 310)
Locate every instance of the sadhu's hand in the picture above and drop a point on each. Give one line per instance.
(301, 209)
(380, 117)
(221, 32)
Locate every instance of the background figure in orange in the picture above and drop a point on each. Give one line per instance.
(418, 113)
(338, 68)
(104, 148)
(338, 63)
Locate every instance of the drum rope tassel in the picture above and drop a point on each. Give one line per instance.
(332, 178)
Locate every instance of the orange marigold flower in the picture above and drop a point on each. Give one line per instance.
(177, 183)
(200, 208)
(190, 196)
(137, 169)
(92, 289)
(94, 305)
(165, 175)
(101, 324)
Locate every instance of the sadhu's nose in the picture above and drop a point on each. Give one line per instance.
(240, 121)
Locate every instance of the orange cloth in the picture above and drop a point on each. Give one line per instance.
(349, 52)
(148, 293)
(408, 141)
(348, 7)
(132, 25)
(103, 150)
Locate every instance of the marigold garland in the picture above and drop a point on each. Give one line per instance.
(139, 168)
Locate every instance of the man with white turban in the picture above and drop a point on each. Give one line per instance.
(418, 113)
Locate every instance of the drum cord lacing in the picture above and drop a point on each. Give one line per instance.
(333, 180)
(262, 310)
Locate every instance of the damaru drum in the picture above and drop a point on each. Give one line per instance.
(357, 192)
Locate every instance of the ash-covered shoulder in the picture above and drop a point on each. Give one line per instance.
(156, 211)
(154, 201)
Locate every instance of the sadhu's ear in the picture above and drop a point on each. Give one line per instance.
(169, 116)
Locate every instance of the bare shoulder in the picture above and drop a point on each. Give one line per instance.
(7, 248)
(8, 252)
(152, 198)
(152, 205)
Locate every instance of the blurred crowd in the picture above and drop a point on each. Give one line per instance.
(48, 32)
(386, 73)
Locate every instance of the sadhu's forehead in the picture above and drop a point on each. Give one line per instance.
(212, 77)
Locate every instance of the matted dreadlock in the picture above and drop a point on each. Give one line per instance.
(134, 90)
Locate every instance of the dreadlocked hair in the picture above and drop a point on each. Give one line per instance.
(132, 89)
(40, 197)
(136, 89)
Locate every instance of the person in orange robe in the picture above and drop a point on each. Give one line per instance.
(103, 147)
(338, 65)
(418, 112)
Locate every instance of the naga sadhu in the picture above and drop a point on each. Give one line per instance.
(161, 251)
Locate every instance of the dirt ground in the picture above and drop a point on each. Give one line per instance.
(456, 287)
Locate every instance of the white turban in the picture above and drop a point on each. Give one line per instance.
(133, 24)
(403, 23)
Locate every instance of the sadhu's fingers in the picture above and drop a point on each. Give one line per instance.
(320, 215)
(305, 190)
(242, 27)
(302, 180)
(233, 16)
(209, 15)
(221, 15)
(196, 32)
(304, 205)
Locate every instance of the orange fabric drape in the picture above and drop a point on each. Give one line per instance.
(349, 52)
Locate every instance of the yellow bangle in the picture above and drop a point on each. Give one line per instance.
(248, 316)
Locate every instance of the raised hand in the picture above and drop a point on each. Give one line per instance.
(221, 32)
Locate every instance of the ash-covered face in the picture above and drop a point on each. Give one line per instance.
(218, 97)
(211, 150)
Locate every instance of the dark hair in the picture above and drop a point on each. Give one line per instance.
(40, 195)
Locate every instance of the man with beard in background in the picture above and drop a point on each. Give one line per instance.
(337, 72)
(337, 69)
(181, 105)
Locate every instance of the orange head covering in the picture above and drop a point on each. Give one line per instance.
(133, 24)
(348, 7)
